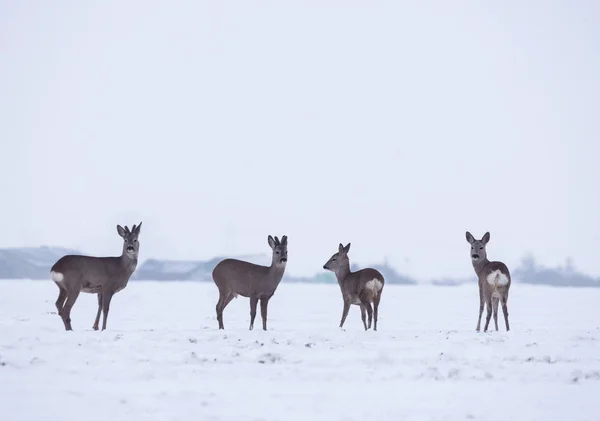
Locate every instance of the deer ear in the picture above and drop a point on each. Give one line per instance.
(347, 248)
(271, 242)
(284, 240)
(486, 238)
(138, 228)
(340, 249)
(121, 231)
(470, 238)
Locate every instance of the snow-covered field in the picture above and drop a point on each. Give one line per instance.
(162, 357)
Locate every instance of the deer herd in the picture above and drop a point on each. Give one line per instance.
(105, 276)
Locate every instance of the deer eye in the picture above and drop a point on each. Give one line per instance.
(277, 252)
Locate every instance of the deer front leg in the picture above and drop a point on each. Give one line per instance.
(106, 297)
(344, 313)
(264, 302)
(253, 304)
(99, 311)
(480, 308)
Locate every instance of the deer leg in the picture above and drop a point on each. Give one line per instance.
(495, 309)
(66, 311)
(224, 299)
(488, 314)
(481, 301)
(60, 301)
(367, 305)
(95, 327)
(376, 309)
(264, 302)
(345, 313)
(106, 297)
(220, 307)
(505, 309)
(363, 315)
(253, 304)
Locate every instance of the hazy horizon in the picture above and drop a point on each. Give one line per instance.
(395, 127)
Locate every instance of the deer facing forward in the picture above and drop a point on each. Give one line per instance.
(104, 276)
(361, 288)
(236, 277)
(493, 280)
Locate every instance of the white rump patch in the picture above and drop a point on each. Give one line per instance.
(374, 285)
(497, 278)
(57, 277)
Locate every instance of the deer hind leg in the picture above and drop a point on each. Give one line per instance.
(481, 302)
(224, 299)
(253, 304)
(495, 300)
(365, 299)
(66, 313)
(221, 303)
(504, 299)
(363, 315)
(376, 308)
(97, 321)
(488, 315)
(60, 301)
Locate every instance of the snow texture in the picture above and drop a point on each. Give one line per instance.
(162, 357)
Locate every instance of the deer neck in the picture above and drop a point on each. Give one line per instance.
(276, 270)
(129, 262)
(480, 265)
(342, 273)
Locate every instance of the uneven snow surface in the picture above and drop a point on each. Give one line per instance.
(162, 357)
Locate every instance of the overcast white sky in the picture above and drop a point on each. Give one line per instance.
(392, 125)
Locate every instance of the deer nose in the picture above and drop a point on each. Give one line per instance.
(475, 256)
(324, 266)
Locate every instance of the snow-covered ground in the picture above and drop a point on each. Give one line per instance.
(162, 357)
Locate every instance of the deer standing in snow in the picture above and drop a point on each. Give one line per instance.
(104, 276)
(361, 288)
(257, 282)
(493, 279)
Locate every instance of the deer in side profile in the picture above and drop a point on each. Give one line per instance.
(104, 276)
(362, 287)
(256, 282)
(493, 280)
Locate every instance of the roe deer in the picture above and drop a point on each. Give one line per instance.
(234, 277)
(493, 279)
(362, 287)
(104, 276)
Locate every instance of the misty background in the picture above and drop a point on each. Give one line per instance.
(395, 126)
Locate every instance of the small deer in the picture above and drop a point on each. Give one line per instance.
(234, 277)
(104, 276)
(362, 287)
(493, 279)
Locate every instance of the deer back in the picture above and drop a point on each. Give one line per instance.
(92, 274)
(493, 275)
(246, 278)
(356, 283)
